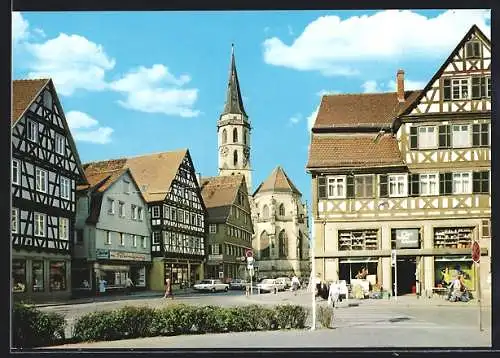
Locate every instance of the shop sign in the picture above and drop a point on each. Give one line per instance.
(407, 239)
(215, 257)
(123, 255)
(102, 254)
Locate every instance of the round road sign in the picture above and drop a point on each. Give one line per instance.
(249, 253)
(476, 252)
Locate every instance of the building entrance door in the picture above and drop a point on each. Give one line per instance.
(407, 267)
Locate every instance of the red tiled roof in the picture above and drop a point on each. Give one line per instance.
(277, 181)
(23, 93)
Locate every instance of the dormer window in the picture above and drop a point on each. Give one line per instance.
(473, 49)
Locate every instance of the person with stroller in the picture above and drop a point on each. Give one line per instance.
(458, 290)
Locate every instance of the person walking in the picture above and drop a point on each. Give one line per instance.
(168, 289)
(295, 284)
(128, 285)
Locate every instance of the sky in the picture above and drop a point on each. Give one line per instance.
(134, 83)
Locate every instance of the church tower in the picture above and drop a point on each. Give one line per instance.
(233, 131)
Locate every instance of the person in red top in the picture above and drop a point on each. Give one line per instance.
(168, 288)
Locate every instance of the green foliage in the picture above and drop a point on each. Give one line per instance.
(291, 316)
(324, 315)
(33, 328)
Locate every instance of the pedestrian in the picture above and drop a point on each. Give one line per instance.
(168, 289)
(334, 295)
(295, 284)
(102, 286)
(128, 285)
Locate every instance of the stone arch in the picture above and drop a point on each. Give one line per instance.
(235, 135)
(224, 136)
(282, 210)
(264, 245)
(282, 244)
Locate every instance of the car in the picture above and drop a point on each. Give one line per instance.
(238, 284)
(211, 286)
(270, 285)
(285, 281)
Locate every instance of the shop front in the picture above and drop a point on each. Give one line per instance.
(183, 273)
(447, 268)
(215, 267)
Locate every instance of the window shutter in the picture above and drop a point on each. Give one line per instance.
(350, 186)
(482, 88)
(441, 184)
(475, 135)
(413, 138)
(321, 187)
(444, 136)
(384, 190)
(485, 135)
(446, 89)
(476, 182)
(448, 183)
(468, 50)
(485, 185)
(414, 184)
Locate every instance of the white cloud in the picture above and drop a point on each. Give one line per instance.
(19, 27)
(371, 86)
(409, 85)
(39, 32)
(72, 61)
(296, 118)
(156, 90)
(312, 118)
(323, 92)
(334, 46)
(86, 129)
(290, 30)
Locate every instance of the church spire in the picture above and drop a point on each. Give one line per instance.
(234, 101)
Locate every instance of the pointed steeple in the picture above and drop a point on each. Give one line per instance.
(234, 101)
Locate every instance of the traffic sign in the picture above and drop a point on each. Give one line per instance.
(243, 258)
(249, 253)
(476, 252)
(393, 258)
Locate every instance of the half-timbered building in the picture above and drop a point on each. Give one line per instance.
(45, 170)
(230, 226)
(169, 185)
(112, 231)
(407, 171)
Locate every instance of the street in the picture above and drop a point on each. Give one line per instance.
(407, 322)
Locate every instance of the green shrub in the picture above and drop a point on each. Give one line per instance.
(134, 321)
(210, 319)
(33, 328)
(97, 326)
(291, 316)
(324, 315)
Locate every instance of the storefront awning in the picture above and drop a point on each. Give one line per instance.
(453, 258)
(358, 260)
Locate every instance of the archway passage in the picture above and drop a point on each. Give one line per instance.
(406, 280)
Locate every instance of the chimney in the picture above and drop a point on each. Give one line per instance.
(400, 85)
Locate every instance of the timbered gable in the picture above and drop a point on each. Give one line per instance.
(462, 84)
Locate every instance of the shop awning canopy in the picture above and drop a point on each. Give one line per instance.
(453, 258)
(358, 260)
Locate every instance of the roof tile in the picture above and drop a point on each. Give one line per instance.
(23, 93)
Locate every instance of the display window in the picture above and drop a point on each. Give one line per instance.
(18, 275)
(37, 276)
(57, 276)
(448, 268)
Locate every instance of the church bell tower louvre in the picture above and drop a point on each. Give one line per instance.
(233, 131)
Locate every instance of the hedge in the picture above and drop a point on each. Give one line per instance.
(33, 328)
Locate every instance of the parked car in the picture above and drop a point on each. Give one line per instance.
(285, 281)
(211, 285)
(270, 285)
(238, 284)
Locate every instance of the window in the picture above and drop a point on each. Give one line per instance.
(358, 240)
(133, 211)
(445, 183)
(122, 239)
(108, 237)
(79, 236)
(213, 228)
(265, 212)
(282, 210)
(63, 228)
(143, 239)
(235, 135)
(224, 136)
(173, 214)
(481, 182)
(398, 185)
(121, 209)
(462, 183)
(156, 238)
(461, 136)
(336, 187)
(134, 240)
(473, 49)
(15, 172)
(477, 84)
(140, 213)
(429, 184)
(18, 275)
(126, 186)
(57, 275)
(39, 224)
(460, 88)
(488, 86)
(41, 180)
(156, 211)
(32, 131)
(427, 137)
(363, 186)
(37, 276)
(264, 245)
(59, 144)
(235, 158)
(444, 136)
(64, 187)
(282, 244)
(485, 228)
(186, 217)
(14, 228)
(111, 206)
(166, 212)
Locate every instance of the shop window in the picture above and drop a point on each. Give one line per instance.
(57, 276)
(453, 238)
(447, 268)
(18, 275)
(37, 276)
(361, 269)
(358, 240)
(405, 239)
(486, 228)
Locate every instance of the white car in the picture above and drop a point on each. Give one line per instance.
(285, 281)
(270, 285)
(211, 285)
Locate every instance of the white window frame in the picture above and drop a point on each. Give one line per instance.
(425, 178)
(461, 83)
(121, 209)
(14, 224)
(111, 208)
(15, 165)
(426, 144)
(487, 89)
(463, 179)
(39, 231)
(32, 127)
(122, 239)
(144, 242)
(397, 179)
(459, 129)
(364, 179)
(59, 144)
(64, 187)
(133, 210)
(140, 213)
(63, 228)
(134, 240)
(213, 228)
(155, 212)
(335, 181)
(45, 178)
(108, 238)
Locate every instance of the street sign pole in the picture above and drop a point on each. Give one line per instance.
(395, 265)
(479, 295)
(476, 258)
(313, 278)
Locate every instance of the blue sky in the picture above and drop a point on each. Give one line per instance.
(134, 83)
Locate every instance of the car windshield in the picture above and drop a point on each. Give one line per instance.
(205, 281)
(267, 281)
